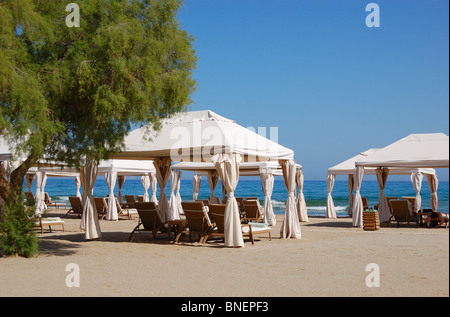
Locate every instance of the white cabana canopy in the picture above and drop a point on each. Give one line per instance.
(194, 136)
(430, 150)
(348, 167)
(416, 150)
(204, 136)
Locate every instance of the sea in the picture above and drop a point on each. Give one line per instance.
(315, 192)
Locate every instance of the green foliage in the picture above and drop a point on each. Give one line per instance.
(17, 234)
(73, 92)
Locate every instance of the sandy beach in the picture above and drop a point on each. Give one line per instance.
(330, 260)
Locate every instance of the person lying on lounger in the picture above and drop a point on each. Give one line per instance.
(436, 219)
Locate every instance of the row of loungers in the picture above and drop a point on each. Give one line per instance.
(200, 220)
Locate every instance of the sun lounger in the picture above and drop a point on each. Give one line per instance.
(75, 206)
(250, 229)
(252, 211)
(102, 206)
(48, 221)
(198, 221)
(401, 211)
(365, 203)
(130, 199)
(149, 219)
(126, 211)
(252, 198)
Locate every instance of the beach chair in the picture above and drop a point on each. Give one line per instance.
(198, 221)
(240, 201)
(130, 199)
(48, 221)
(412, 200)
(401, 211)
(140, 198)
(252, 211)
(252, 198)
(149, 219)
(365, 203)
(249, 230)
(102, 206)
(205, 201)
(75, 206)
(126, 211)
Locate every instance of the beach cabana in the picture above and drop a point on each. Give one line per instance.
(348, 168)
(430, 150)
(204, 136)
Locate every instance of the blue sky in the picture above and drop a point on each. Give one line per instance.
(333, 86)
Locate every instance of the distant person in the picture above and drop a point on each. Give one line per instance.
(436, 219)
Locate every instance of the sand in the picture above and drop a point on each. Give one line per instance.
(330, 260)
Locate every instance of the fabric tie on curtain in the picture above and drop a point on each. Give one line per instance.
(174, 211)
(145, 180)
(120, 182)
(350, 185)
(162, 166)
(196, 181)
(291, 225)
(433, 184)
(29, 178)
(416, 179)
(358, 208)
(213, 180)
(331, 211)
(78, 185)
(41, 178)
(301, 203)
(267, 181)
(153, 185)
(89, 218)
(111, 214)
(383, 205)
(227, 166)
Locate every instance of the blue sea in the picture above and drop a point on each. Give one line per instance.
(60, 188)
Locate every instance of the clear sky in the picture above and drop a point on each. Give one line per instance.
(333, 86)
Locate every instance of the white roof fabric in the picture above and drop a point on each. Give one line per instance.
(348, 166)
(430, 150)
(194, 136)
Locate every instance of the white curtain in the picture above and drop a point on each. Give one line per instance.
(433, 184)
(358, 208)
(89, 219)
(383, 205)
(416, 179)
(213, 180)
(29, 178)
(41, 179)
(227, 166)
(291, 225)
(145, 180)
(196, 181)
(153, 185)
(174, 205)
(267, 181)
(350, 185)
(162, 166)
(331, 211)
(111, 213)
(301, 203)
(120, 182)
(78, 185)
